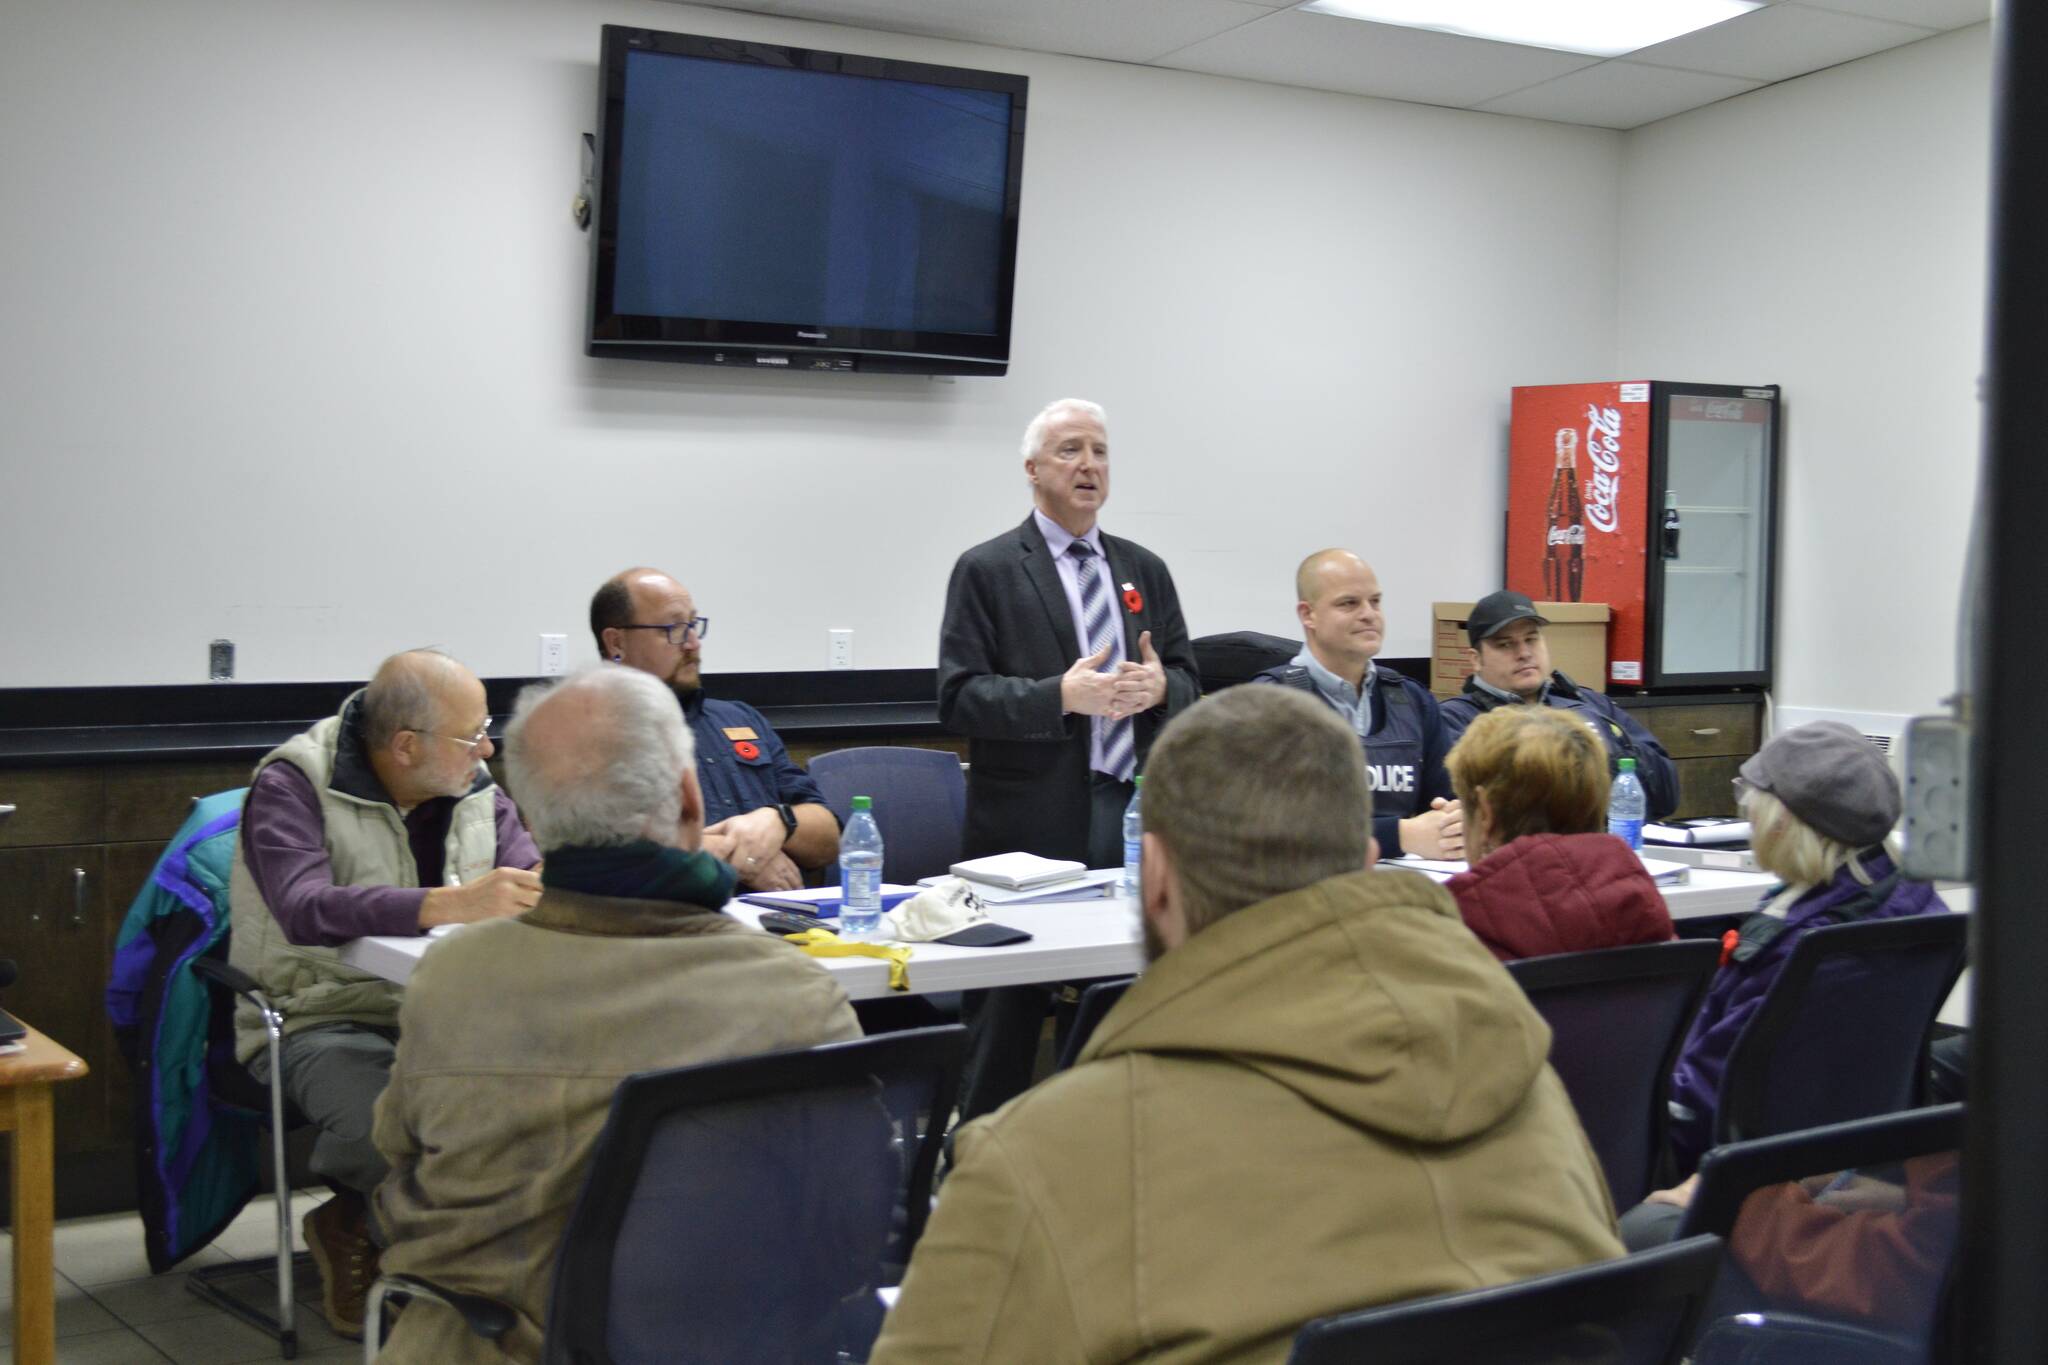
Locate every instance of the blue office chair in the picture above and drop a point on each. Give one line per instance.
(1619, 1077)
(741, 1210)
(1843, 1032)
(1633, 1310)
(1796, 1287)
(920, 800)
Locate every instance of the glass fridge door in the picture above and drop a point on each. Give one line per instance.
(1713, 536)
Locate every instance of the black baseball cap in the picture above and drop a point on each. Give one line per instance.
(1499, 609)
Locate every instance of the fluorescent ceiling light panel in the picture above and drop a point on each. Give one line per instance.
(1598, 28)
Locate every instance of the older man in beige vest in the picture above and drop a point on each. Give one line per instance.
(381, 819)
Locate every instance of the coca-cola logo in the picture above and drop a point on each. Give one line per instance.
(1566, 535)
(1603, 492)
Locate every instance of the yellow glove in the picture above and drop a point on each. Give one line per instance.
(825, 943)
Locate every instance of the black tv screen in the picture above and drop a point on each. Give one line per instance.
(782, 207)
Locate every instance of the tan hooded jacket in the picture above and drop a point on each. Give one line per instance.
(1333, 1099)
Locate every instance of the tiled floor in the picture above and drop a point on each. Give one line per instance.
(112, 1311)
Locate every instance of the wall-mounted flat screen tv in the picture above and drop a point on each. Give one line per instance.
(785, 208)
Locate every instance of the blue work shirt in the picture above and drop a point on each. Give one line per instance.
(741, 762)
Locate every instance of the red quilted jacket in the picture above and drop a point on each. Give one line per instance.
(1561, 893)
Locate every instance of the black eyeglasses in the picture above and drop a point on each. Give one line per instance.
(697, 627)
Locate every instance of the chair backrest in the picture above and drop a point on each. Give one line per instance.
(1617, 1018)
(920, 803)
(1778, 1203)
(1842, 1033)
(1095, 1002)
(1634, 1310)
(748, 1209)
(1227, 660)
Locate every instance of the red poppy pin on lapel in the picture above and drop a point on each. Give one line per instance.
(747, 749)
(1134, 602)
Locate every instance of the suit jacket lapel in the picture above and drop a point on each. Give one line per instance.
(1038, 566)
(1120, 573)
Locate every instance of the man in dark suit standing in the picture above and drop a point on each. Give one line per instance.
(1061, 655)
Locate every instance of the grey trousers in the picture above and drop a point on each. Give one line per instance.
(334, 1074)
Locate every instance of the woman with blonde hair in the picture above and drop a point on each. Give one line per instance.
(1546, 876)
(1821, 802)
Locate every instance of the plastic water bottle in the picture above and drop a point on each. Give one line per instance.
(1627, 807)
(1134, 841)
(860, 873)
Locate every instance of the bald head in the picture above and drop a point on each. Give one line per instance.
(1337, 600)
(624, 615)
(421, 689)
(601, 759)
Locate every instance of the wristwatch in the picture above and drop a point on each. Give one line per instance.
(782, 808)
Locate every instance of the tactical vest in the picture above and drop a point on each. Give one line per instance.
(1393, 751)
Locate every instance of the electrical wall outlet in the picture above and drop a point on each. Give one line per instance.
(1937, 836)
(554, 655)
(220, 661)
(840, 653)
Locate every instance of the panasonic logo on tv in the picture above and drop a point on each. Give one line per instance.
(812, 336)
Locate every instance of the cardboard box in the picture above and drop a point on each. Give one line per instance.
(1577, 635)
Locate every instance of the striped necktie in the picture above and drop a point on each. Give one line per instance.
(1115, 746)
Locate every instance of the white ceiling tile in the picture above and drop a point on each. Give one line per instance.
(1935, 14)
(1618, 95)
(1117, 30)
(1778, 42)
(1328, 53)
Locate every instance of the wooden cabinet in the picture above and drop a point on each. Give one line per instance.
(1707, 741)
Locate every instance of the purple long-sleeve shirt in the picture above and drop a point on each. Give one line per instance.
(284, 843)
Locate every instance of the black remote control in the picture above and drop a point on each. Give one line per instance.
(790, 922)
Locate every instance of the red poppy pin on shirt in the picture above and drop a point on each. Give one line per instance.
(747, 749)
(1134, 602)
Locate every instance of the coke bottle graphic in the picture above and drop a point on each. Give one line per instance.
(1564, 544)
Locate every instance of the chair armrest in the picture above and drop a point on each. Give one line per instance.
(1795, 1337)
(487, 1317)
(234, 978)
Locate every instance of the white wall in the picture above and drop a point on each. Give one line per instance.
(289, 316)
(1828, 234)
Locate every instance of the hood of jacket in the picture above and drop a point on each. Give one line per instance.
(1561, 893)
(1365, 994)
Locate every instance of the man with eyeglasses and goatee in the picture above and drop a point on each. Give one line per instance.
(381, 819)
(762, 813)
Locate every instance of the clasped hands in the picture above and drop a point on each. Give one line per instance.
(1118, 693)
(752, 843)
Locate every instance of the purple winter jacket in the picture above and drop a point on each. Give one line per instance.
(1739, 988)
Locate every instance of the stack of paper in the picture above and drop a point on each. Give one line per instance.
(1666, 873)
(1089, 885)
(1703, 831)
(1018, 871)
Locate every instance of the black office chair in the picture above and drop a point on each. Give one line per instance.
(742, 1210)
(1617, 1017)
(920, 800)
(233, 1086)
(1095, 1003)
(1777, 1302)
(1842, 1033)
(1239, 656)
(1633, 1310)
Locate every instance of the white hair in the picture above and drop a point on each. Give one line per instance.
(1034, 435)
(623, 780)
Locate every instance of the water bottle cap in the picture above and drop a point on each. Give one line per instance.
(863, 803)
(1138, 781)
(1627, 765)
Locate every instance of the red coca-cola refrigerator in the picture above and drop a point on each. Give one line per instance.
(1660, 500)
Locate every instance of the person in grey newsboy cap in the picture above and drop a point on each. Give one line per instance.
(1832, 778)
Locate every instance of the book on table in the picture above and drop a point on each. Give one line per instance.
(1019, 871)
(1705, 830)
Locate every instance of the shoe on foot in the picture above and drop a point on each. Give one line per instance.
(338, 1235)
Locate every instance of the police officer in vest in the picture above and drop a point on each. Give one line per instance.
(1394, 717)
(1511, 664)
